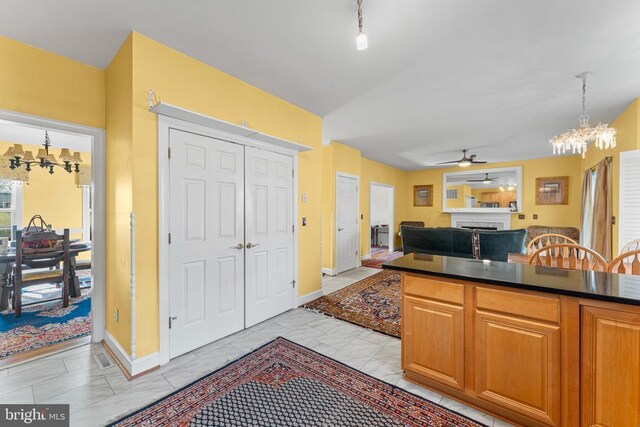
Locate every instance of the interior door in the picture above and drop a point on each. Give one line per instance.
(346, 223)
(206, 255)
(269, 235)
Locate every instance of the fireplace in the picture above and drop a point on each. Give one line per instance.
(479, 227)
(482, 220)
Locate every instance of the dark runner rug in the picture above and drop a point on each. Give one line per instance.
(285, 384)
(372, 303)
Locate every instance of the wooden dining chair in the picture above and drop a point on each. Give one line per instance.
(569, 256)
(43, 259)
(546, 240)
(633, 245)
(626, 263)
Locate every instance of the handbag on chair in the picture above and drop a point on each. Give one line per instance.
(48, 240)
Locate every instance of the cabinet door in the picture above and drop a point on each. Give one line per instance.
(518, 365)
(610, 375)
(433, 340)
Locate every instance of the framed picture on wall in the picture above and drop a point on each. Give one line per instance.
(423, 195)
(552, 190)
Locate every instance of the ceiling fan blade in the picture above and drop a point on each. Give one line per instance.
(472, 157)
(448, 163)
(478, 161)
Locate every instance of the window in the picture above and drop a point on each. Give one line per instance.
(10, 207)
(452, 194)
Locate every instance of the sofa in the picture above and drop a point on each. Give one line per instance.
(534, 231)
(457, 242)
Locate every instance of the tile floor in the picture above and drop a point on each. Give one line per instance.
(98, 396)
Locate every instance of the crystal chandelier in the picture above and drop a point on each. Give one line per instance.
(577, 140)
(18, 157)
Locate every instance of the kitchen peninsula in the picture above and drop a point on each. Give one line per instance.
(533, 345)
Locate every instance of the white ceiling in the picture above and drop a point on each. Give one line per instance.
(495, 76)
(23, 134)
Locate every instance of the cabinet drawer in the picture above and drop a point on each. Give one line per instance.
(433, 288)
(520, 304)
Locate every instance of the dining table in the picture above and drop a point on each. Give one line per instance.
(8, 260)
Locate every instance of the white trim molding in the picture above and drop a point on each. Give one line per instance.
(311, 296)
(98, 213)
(329, 271)
(201, 127)
(132, 366)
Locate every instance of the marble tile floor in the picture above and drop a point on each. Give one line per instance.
(99, 396)
(331, 284)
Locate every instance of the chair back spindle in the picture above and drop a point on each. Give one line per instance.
(626, 263)
(568, 256)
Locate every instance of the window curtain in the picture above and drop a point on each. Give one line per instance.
(586, 214)
(602, 210)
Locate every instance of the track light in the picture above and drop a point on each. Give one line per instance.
(361, 39)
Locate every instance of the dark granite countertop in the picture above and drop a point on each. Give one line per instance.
(620, 288)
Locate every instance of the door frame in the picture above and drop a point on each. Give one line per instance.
(335, 228)
(98, 181)
(392, 232)
(165, 124)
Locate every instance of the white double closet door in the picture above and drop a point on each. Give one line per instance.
(231, 249)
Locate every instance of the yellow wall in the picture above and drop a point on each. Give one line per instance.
(373, 171)
(627, 138)
(184, 81)
(56, 197)
(558, 215)
(119, 181)
(338, 157)
(38, 82)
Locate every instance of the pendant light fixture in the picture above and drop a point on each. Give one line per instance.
(17, 157)
(361, 39)
(577, 140)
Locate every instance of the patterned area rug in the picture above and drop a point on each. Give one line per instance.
(284, 384)
(42, 325)
(380, 258)
(372, 303)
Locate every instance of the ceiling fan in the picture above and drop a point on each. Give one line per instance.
(485, 180)
(464, 161)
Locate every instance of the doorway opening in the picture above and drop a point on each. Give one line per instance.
(381, 220)
(36, 319)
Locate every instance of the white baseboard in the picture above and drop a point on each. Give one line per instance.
(133, 367)
(309, 297)
(329, 271)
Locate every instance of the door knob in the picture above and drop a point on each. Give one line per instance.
(340, 229)
(238, 246)
(251, 245)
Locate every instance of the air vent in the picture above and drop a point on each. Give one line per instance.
(103, 361)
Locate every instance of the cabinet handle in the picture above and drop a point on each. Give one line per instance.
(251, 245)
(340, 229)
(238, 246)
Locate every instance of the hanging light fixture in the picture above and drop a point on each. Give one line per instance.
(361, 39)
(577, 140)
(18, 157)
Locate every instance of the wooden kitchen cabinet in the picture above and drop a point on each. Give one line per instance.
(610, 374)
(433, 333)
(433, 340)
(517, 365)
